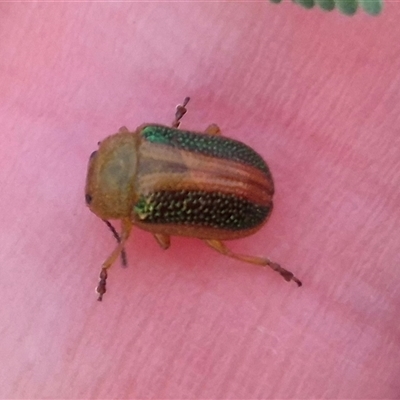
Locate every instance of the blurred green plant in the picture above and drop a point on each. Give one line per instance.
(348, 7)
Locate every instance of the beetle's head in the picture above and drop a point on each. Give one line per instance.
(110, 180)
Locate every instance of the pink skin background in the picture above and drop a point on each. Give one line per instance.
(316, 94)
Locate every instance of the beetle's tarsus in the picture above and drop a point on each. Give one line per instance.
(287, 275)
(180, 112)
(101, 287)
(124, 259)
(297, 281)
(126, 230)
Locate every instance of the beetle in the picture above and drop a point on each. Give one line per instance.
(173, 182)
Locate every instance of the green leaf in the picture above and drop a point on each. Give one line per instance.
(348, 7)
(305, 3)
(372, 7)
(327, 5)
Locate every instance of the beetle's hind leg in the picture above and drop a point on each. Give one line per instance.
(126, 230)
(163, 240)
(221, 248)
(180, 112)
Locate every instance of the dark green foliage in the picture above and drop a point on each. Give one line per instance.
(305, 3)
(372, 7)
(347, 7)
(327, 5)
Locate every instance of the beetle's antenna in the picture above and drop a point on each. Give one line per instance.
(180, 112)
(118, 239)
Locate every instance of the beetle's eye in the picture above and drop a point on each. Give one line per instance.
(93, 154)
(88, 198)
(98, 143)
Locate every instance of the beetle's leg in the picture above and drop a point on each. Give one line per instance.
(180, 112)
(213, 129)
(126, 230)
(221, 248)
(123, 129)
(163, 240)
(118, 239)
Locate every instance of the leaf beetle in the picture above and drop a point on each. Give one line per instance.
(173, 182)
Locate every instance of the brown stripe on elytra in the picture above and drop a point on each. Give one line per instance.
(214, 146)
(163, 168)
(158, 152)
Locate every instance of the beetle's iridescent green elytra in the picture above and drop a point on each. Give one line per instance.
(200, 208)
(172, 182)
(200, 185)
(208, 145)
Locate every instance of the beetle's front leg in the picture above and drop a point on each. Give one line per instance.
(126, 230)
(221, 248)
(118, 239)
